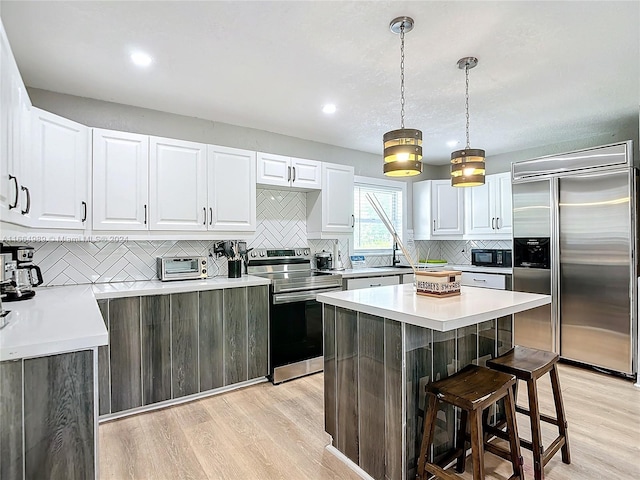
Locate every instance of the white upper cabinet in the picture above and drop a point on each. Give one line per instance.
(177, 185)
(447, 209)
(231, 189)
(120, 180)
(306, 174)
(330, 211)
(59, 172)
(280, 171)
(438, 210)
(15, 141)
(488, 208)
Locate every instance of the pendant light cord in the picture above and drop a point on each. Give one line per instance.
(402, 76)
(466, 72)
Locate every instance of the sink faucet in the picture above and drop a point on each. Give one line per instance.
(394, 260)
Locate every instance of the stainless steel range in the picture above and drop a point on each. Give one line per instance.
(295, 326)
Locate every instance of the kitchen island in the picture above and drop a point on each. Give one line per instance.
(383, 345)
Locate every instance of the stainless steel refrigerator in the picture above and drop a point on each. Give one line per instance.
(574, 237)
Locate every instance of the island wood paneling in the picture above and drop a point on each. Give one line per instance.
(258, 331)
(235, 335)
(393, 399)
(104, 384)
(211, 339)
(124, 347)
(58, 422)
(486, 341)
(347, 382)
(505, 334)
(184, 344)
(371, 382)
(156, 348)
(419, 371)
(11, 459)
(329, 342)
(444, 364)
(467, 344)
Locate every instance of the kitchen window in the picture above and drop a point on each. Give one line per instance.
(370, 234)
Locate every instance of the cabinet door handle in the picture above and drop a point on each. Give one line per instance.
(210, 215)
(28, 209)
(204, 210)
(294, 174)
(288, 174)
(375, 284)
(84, 212)
(353, 221)
(15, 202)
(145, 214)
(479, 280)
(434, 225)
(497, 223)
(493, 223)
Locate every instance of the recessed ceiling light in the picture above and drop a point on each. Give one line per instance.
(452, 143)
(329, 108)
(141, 59)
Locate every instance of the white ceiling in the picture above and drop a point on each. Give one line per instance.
(548, 71)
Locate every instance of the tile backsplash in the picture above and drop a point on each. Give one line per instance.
(281, 222)
(456, 252)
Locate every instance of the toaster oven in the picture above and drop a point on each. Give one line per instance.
(182, 268)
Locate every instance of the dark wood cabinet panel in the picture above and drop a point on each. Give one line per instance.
(235, 335)
(184, 343)
(124, 347)
(211, 342)
(156, 348)
(58, 424)
(104, 385)
(371, 380)
(11, 420)
(347, 440)
(393, 399)
(258, 331)
(329, 343)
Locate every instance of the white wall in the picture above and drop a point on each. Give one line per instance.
(617, 131)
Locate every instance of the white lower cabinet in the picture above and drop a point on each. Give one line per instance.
(231, 189)
(356, 283)
(120, 180)
(59, 172)
(177, 185)
(330, 210)
(485, 280)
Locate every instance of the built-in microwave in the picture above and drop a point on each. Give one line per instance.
(490, 257)
(182, 268)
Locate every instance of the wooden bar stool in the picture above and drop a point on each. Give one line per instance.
(472, 389)
(529, 364)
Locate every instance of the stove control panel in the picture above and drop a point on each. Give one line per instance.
(280, 253)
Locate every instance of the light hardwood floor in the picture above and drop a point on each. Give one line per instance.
(267, 432)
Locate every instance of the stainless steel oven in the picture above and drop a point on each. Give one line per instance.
(295, 317)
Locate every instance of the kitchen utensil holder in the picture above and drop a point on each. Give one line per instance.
(235, 268)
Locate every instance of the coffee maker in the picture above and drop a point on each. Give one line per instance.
(26, 275)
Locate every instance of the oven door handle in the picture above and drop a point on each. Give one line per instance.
(280, 298)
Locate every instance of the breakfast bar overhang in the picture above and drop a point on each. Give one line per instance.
(383, 345)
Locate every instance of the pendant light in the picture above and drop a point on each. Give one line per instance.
(467, 166)
(403, 147)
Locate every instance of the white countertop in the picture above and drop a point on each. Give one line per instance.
(56, 320)
(156, 287)
(384, 271)
(401, 303)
